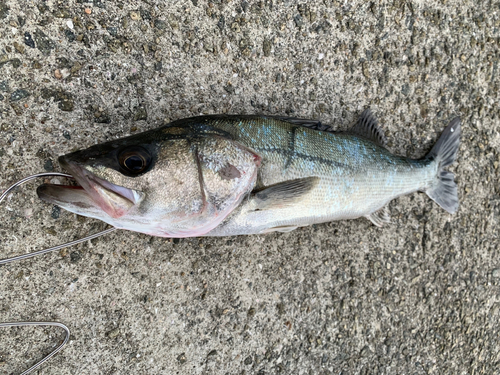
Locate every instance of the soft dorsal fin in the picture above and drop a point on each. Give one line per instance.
(380, 217)
(311, 124)
(367, 127)
(284, 194)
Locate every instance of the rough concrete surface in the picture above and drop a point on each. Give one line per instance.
(419, 296)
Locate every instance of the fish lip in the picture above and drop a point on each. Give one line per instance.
(92, 184)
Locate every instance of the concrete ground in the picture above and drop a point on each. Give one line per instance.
(420, 296)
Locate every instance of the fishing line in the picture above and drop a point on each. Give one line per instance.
(40, 252)
(51, 354)
(54, 248)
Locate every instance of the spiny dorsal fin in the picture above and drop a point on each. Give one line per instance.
(380, 217)
(284, 194)
(311, 124)
(367, 127)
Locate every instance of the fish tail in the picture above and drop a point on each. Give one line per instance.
(443, 189)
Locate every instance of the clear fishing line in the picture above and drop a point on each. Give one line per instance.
(40, 252)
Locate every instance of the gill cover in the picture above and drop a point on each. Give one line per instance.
(170, 182)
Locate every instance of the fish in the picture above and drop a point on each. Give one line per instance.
(225, 175)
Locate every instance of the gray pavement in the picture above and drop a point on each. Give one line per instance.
(420, 296)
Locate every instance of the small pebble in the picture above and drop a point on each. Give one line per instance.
(56, 212)
(18, 95)
(48, 165)
(19, 47)
(75, 256)
(182, 358)
(113, 333)
(88, 10)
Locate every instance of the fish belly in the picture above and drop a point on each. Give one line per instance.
(330, 200)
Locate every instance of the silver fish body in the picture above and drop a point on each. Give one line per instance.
(302, 175)
(351, 175)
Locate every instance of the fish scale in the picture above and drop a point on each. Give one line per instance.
(226, 175)
(357, 176)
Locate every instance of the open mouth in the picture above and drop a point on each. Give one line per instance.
(91, 194)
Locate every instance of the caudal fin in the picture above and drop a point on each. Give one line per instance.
(443, 190)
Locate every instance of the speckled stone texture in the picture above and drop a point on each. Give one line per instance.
(419, 296)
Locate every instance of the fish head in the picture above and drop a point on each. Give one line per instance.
(168, 182)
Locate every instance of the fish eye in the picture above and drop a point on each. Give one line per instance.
(134, 160)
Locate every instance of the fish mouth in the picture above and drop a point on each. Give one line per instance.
(91, 195)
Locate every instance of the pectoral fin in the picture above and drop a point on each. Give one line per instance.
(380, 217)
(284, 194)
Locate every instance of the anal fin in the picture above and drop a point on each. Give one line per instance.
(380, 217)
(284, 194)
(283, 229)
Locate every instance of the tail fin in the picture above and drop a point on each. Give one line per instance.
(443, 190)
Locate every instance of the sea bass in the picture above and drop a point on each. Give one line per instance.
(224, 175)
